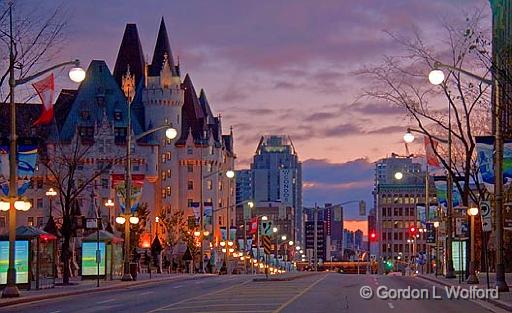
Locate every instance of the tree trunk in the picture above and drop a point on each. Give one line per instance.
(66, 259)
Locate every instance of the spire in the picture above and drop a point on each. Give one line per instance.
(130, 52)
(162, 47)
(205, 106)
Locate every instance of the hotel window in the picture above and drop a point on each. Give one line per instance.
(2, 221)
(189, 202)
(39, 183)
(189, 150)
(40, 221)
(209, 185)
(220, 220)
(190, 185)
(168, 155)
(168, 191)
(169, 173)
(163, 193)
(40, 203)
(163, 157)
(118, 115)
(190, 168)
(220, 186)
(104, 183)
(163, 175)
(85, 115)
(383, 211)
(209, 167)
(211, 150)
(30, 221)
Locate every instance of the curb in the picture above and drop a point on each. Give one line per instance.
(29, 299)
(499, 304)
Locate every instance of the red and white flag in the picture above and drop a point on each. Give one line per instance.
(45, 89)
(430, 145)
(254, 226)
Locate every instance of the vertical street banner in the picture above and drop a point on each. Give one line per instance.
(196, 209)
(208, 213)
(421, 212)
(223, 233)
(507, 215)
(253, 229)
(232, 232)
(119, 185)
(485, 159)
(26, 158)
(441, 192)
(249, 243)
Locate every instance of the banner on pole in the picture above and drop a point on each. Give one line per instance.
(485, 159)
(119, 184)
(26, 158)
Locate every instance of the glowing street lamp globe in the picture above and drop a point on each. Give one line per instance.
(250, 204)
(399, 175)
(77, 74)
(436, 77)
(230, 174)
(120, 220)
(473, 211)
(171, 133)
(408, 137)
(134, 220)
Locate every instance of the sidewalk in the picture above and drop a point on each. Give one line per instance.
(79, 286)
(505, 298)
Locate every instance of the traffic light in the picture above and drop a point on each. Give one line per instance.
(373, 236)
(412, 230)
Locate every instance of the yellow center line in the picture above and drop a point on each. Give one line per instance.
(287, 303)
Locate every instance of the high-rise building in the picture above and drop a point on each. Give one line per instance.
(243, 185)
(310, 240)
(277, 176)
(395, 204)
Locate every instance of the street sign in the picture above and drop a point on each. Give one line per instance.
(507, 215)
(266, 228)
(485, 210)
(267, 244)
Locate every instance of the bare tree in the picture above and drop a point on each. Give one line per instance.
(65, 165)
(38, 34)
(175, 225)
(402, 80)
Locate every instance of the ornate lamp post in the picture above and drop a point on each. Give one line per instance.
(50, 194)
(472, 279)
(76, 74)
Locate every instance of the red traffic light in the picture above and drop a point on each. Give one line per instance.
(412, 230)
(373, 236)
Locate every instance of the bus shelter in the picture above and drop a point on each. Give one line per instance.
(110, 256)
(35, 258)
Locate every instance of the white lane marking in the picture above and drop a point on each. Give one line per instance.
(145, 293)
(179, 286)
(391, 306)
(58, 311)
(106, 301)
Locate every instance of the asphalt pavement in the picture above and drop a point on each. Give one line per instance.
(322, 292)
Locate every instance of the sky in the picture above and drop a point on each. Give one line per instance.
(280, 67)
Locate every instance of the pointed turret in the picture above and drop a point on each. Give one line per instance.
(130, 54)
(192, 113)
(161, 52)
(207, 111)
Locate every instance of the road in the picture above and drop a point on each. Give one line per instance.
(322, 292)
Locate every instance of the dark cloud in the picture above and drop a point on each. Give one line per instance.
(386, 130)
(338, 182)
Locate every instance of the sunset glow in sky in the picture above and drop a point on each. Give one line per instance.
(280, 67)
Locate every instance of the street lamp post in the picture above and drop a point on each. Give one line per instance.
(50, 194)
(77, 74)
(473, 278)
(438, 264)
(438, 78)
(109, 204)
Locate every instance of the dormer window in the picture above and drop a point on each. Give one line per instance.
(118, 115)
